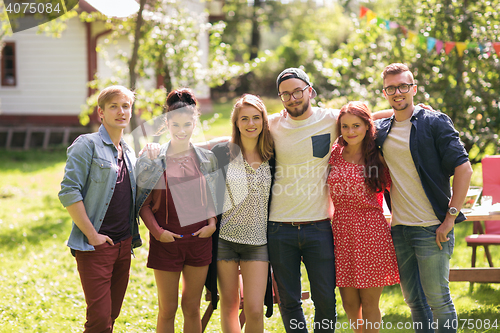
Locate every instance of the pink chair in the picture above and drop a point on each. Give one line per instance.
(490, 235)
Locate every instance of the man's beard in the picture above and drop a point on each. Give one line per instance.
(297, 112)
(402, 108)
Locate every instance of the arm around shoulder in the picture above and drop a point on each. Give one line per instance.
(211, 143)
(382, 114)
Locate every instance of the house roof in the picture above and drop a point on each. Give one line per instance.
(84, 6)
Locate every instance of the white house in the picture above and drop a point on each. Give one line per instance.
(44, 81)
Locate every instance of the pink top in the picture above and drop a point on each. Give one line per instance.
(187, 199)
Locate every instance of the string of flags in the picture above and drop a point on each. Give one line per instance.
(430, 42)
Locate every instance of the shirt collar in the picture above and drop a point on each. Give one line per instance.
(103, 133)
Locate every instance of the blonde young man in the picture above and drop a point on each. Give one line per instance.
(99, 190)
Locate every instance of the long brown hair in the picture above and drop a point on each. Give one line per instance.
(265, 145)
(376, 181)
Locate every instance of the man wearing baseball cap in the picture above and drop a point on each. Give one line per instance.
(299, 227)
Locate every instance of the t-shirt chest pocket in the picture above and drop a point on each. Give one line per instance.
(99, 170)
(321, 145)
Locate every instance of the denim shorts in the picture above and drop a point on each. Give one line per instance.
(231, 251)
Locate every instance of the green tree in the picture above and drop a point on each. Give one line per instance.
(4, 22)
(292, 34)
(464, 87)
(165, 35)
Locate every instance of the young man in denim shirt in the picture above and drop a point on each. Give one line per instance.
(423, 150)
(99, 190)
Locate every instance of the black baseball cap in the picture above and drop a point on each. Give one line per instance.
(294, 73)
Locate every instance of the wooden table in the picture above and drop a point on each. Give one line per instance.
(482, 215)
(473, 274)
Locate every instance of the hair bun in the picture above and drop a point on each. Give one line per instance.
(188, 98)
(183, 96)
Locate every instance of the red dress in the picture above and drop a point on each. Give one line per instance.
(364, 252)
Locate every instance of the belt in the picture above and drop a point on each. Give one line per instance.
(298, 224)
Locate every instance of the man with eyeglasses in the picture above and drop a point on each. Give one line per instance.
(423, 150)
(299, 225)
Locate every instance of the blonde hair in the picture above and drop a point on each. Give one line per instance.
(265, 145)
(110, 92)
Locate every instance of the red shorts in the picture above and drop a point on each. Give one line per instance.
(171, 257)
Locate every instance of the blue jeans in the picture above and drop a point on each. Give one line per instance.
(313, 244)
(424, 272)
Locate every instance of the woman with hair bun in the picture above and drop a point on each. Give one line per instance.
(176, 193)
(365, 259)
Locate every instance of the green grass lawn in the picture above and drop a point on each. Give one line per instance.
(39, 284)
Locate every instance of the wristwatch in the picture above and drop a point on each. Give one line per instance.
(453, 211)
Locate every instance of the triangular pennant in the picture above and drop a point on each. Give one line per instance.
(496, 46)
(472, 46)
(404, 30)
(431, 42)
(387, 24)
(448, 46)
(370, 16)
(393, 25)
(439, 46)
(421, 39)
(461, 46)
(362, 11)
(481, 48)
(411, 36)
(380, 21)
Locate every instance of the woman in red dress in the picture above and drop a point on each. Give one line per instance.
(365, 259)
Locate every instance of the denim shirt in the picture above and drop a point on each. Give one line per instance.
(149, 172)
(436, 151)
(90, 176)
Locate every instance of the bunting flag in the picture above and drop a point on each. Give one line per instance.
(496, 46)
(439, 46)
(393, 25)
(448, 46)
(370, 16)
(404, 30)
(362, 11)
(430, 43)
(421, 39)
(461, 46)
(412, 35)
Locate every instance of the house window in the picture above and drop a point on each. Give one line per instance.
(9, 64)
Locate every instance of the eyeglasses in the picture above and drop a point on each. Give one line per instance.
(403, 88)
(297, 94)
